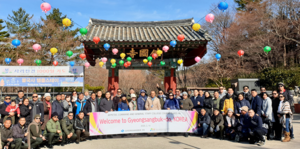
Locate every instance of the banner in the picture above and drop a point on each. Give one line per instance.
(8, 71)
(124, 122)
(41, 81)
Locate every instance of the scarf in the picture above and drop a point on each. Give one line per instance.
(134, 105)
(28, 136)
(94, 105)
(230, 120)
(7, 103)
(49, 108)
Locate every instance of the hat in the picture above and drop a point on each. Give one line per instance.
(133, 96)
(244, 108)
(142, 91)
(170, 90)
(123, 95)
(281, 83)
(184, 93)
(58, 93)
(47, 95)
(37, 116)
(171, 94)
(54, 114)
(229, 109)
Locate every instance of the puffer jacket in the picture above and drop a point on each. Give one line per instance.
(216, 120)
(116, 101)
(81, 124)
(80, 105)
(25, 112)
(141, 101)
(19, 131)
(208, 104)
(122, 106)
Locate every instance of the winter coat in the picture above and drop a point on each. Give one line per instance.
(67, 125)
(80, 105)
(275, 104)
(216, 120)
(208, 104)
(81, 124)
(46, 116)
(19, 131)
(106, 105)
(227, 102)
(25, 112)
(204, 119)
(290, 97)
(255, 123)
(40, 109)
(141, 101)
(18, 100)
(131, 105)
(267, 109)
(240, 103)
(67, 108)
(10, 108)
(58, 108)
(52, 127)
(256, 105)
(3, 112)
(233, 121)
(6, 133)
(88, 106)
(248, 96)
(153, 104)
(122, 106)
(116, 101)
(195, 101)
(187, 104)
(162, 100)
(216, 103)
(173, 104)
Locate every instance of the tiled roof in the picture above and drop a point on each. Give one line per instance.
(112, 31)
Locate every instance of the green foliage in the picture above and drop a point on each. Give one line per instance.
(226, 83)
(242, 4)
(3, 34)
(93, 88)
(19, 22)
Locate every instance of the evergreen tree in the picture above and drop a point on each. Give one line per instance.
(243, 3)
(3, 34)
(19, 22)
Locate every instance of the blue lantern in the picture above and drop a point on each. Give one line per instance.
(106, 46)
(223, 6)
(7, 60)
(72, 63)
(173, 43)
(16, 42)
(218, 56)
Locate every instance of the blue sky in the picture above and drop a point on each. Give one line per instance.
(121, 10)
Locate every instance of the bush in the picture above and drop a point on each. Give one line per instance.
(93, 88)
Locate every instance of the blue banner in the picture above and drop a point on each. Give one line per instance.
(41, 81)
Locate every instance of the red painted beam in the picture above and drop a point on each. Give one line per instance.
(190, 60)
(89, 55)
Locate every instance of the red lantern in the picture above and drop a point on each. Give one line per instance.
(154, 55)
(55, 63)
(125, 65)
(96, 39)
(82, 56)
(180, 37)
(240, 53)
(128, 63)
(149, 64)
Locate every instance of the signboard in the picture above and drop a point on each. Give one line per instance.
(124, 122)
(41, 81)
(41, 71)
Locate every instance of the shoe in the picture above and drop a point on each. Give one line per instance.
(287, 137)
(261, 143)
(77, 142)
(148, 135)
(186, 135)
(62, 144)
(50, 146)
(237, 138)
(205, 136)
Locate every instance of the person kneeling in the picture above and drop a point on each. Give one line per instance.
(256, 129)
(34, 137)
(67, 125)
(204, 121)
(217, 123)
(6, 135)
(53, 131)
(230, 124)
(19, 134)
(81, 127)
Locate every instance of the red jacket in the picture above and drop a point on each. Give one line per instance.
(10, 108)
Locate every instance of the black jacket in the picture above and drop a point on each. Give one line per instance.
(248, 96)
(204, 119)
(3, 112)
(88, 107)
(58, 107)
(207, 105)
(39, 110)
(216, 120)
(234, 125)
(81, 124)
(18, 100)
(18, 131)
(275, 104)
(25, 112)
(227, 96)
(6, 133)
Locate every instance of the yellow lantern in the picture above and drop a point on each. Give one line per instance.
(53, 51)
(145, 61)
(159, 52)
(180, 61)
(101, 64)
(66, 22)
(122, 55)
(196, 27)
(112, 61)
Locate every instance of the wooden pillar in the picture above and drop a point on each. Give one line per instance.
(170, 80)
(113, 80)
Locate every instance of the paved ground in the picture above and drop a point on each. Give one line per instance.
(180, 142)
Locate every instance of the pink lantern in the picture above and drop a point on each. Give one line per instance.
(87, 64)
(104, 59)
(45, 7)
(210, 18)
(197, 59)
(115, 51)
(165, 48)
(20, 61)
(36, 47)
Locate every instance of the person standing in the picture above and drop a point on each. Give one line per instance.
(133, 103)
(162, 98)
(131, 91)
(34, 136)
(262, 91)
(74, 97)
(186, 103)
(79, 104)
(240, 103)
(152, 102)
(247, 93)
(99, 97)
(221, 92)
(117, 98)
(47, 111)
(256, 130)
(227, 101)
(57, 106)
(67, 125)
(81, 126)
(63, 97)
(178, 95)
(267, 113)
(20, 133)
(91, 105)
(53, 131)
(285, 115)
(203, 123)
(141, 101)
(276, 125)
(7, 134)
(171, 103)
(25, 110)
(37, 107)
(67, 105)
(256, 103)
(216, 100)
(7, 102)
(107, 104)
(19, 99)
(86, 95)
(197, 101)
(123, 104)
(217, 123)
(208, 103)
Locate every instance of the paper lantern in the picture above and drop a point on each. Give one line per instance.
(36, 47)
(53, 51)
(45, 7)
(96, 40)
(66, 22)
(196, 27)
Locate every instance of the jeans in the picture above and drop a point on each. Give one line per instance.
(202, 131)
(287, 124)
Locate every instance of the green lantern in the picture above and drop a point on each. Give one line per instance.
(149, 58)
(267, 49)
(162, 63)
(69, 53)
(121, 62)
(129, 59)
(83, 31)
(38, 62)
(113, 65)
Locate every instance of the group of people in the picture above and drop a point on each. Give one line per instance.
(247, 115)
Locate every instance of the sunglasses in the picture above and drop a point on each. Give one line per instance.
(37, 118)
(34, 96)
(274, 93)
(7, 98)
(280, 86)
(280, 96)
(71, 115)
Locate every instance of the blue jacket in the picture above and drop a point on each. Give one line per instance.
(239, 104)
(256, 105)
(80, 106)
(244, 119)
(141, 102)
(123, 106)
(256, 123)
(195, 103)
(173, 104)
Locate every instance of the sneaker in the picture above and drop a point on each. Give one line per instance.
(261, 143)
(237, 138)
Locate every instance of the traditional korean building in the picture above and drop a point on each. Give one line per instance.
(139, 40)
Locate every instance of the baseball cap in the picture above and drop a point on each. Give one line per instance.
(244, 108)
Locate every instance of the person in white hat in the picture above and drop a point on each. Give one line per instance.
(133, 104)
